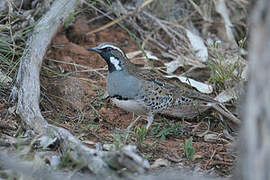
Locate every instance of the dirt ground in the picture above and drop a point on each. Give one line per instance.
(73, 96)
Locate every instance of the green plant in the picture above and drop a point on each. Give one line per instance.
(91, 124)
(188, 148)
(68, 162)
(162, 132)
(222, 77)
(98, 101)
(148, 156)
(224, 74)
(140, 134)
(119, 139)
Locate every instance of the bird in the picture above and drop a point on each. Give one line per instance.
(147, 93)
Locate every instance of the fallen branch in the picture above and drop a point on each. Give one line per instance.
(27, 89)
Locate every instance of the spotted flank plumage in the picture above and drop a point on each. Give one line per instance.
(156, 97)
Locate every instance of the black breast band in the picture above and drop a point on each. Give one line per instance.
(120, 97)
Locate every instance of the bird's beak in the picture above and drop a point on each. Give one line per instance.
(94, 49)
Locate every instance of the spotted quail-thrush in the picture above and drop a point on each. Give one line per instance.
(146, 93)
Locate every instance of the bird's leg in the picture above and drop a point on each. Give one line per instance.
(133, 122)
(150, 119)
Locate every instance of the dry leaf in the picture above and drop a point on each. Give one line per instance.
(136, 53)
(202, 87)
(198, 46)
(133, 54)
(173, 65)
(231, 93)
(223, 11)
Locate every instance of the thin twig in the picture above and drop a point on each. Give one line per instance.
(99, 17)
(117, 20)
(81, 66)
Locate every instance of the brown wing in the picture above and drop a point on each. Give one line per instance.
(178, 89)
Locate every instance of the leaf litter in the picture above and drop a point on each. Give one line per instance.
(175, 48)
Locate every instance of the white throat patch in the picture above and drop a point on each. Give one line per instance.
(116, 63)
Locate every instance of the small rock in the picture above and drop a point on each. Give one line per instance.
(196, 156)
(108, 147)
(46, 141)
(210, 138)
(89, 142)
(160, 163)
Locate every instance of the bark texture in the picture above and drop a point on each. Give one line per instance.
(255, 142)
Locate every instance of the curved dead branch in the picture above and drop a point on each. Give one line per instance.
(27, 89)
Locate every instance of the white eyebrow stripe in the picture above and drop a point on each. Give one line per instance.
(112, 46)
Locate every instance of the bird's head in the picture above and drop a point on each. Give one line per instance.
(112, 54)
